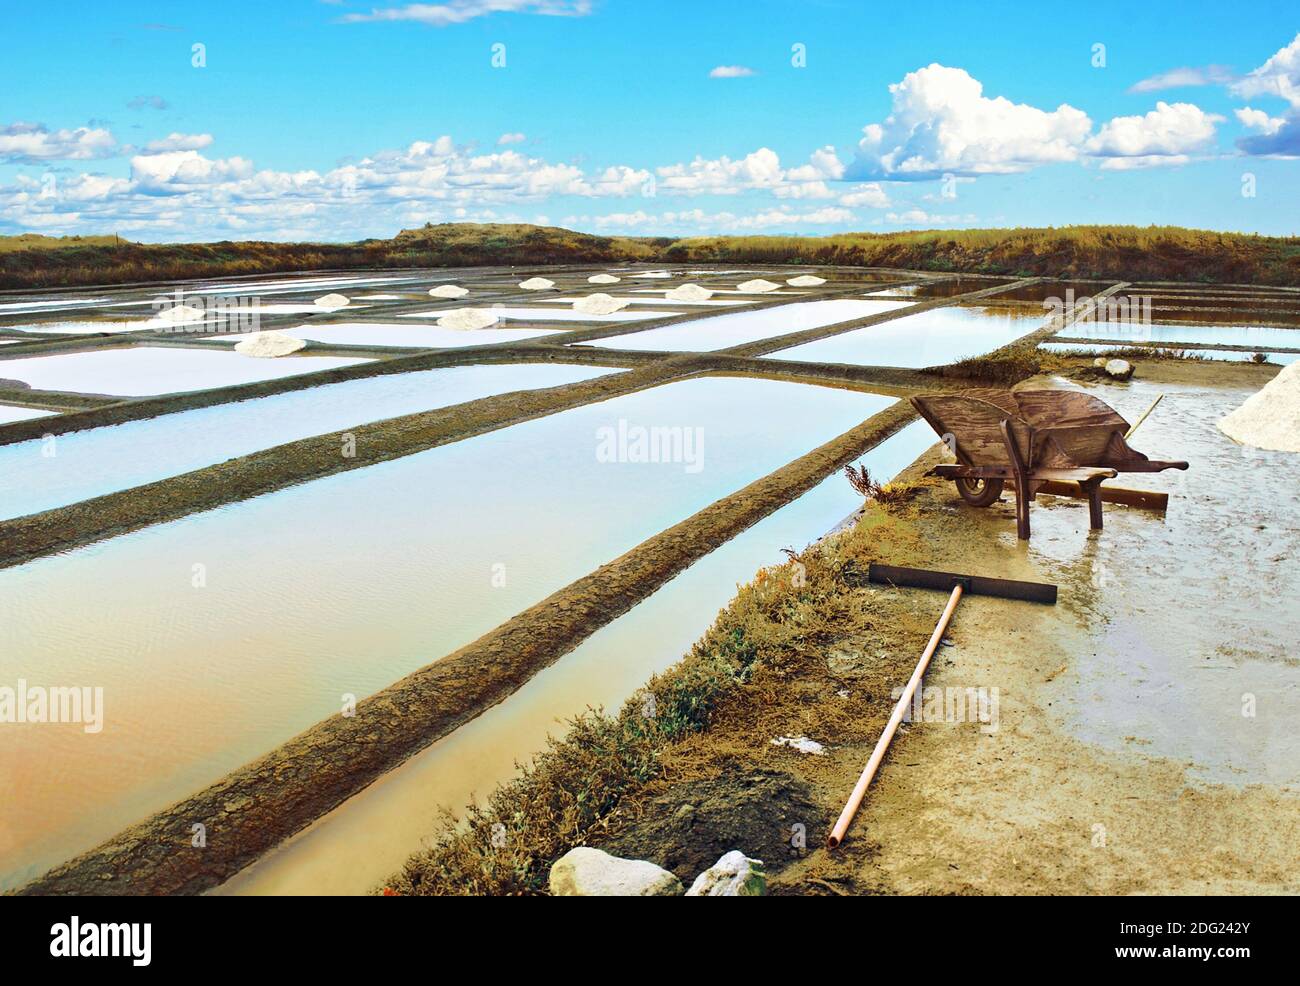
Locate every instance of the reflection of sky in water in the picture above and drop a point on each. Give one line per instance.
(144, 370)
(377, 829)
(723, 331)
(941, 335)
(101, 460)
(342, 585)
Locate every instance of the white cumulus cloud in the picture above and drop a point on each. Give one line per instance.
(941, 122)
(1171, 131)
(28, 143)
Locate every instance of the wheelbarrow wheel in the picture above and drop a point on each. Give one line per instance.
(980, 492)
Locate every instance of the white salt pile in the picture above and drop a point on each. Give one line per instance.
(269, 345)
(756, 286)
(181, 313)
(805, 281)
(1270, 419)
(448, 291)
(332, 302)
(603, 279)
(599, 304)
(467, 319)
(689, 292)
(536, 284)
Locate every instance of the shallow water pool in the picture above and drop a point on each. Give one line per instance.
(377, 829)
(140, 371)
(723, 331)
(220, 635)
(39, 475)
(929, 338)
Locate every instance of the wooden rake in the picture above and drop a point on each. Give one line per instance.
(957, 586)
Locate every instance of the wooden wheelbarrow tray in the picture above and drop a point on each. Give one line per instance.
(1031, 438)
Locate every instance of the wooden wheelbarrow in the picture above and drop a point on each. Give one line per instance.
(1031, 439)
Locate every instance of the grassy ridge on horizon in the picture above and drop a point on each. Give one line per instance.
(1121, 252)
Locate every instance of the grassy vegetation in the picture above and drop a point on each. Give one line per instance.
(1127, 252)
(44, 262)
(1004, 367)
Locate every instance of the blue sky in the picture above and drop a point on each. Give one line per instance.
(336, 121)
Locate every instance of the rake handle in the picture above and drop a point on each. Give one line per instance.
(891, 727)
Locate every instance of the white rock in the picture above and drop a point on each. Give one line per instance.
(448, 291)
(734, 875)
(801, 743)
(603, 279)
(536, 284)
(598, 304)
(269, 344)
(688, 292)
(587, 872)
(467, 319)
(756, 286)
(1100, 362)
(332, 302)
(1120, 368)
(805, 281)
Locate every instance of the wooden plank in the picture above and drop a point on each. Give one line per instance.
(1143, 499)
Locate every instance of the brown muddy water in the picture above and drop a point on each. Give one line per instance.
(219, 636)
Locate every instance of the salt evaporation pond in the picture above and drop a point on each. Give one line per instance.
(144, 370)
(378, 828)
(547, 314)
(101, 460)
(929, 338)
(8, 413)
(220, 635)
(415, 336)
(1261, 337)
(724, 331)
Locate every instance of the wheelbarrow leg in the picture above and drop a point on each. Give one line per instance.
(1092, 487)
(1024, 489)
(1023, 499)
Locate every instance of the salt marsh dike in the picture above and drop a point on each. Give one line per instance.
(436, 663)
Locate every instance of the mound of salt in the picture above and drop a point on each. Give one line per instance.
(448, 291)
(269, 344)
(1269, 419)
(467, 319)
(603, 279)
(756, 286)
(332, 302)
(598, 304)
(181, 313)
(688, 292)
(536, 284)
(805, 281)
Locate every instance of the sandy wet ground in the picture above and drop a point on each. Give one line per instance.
(1145, 741)
(1141, 741)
